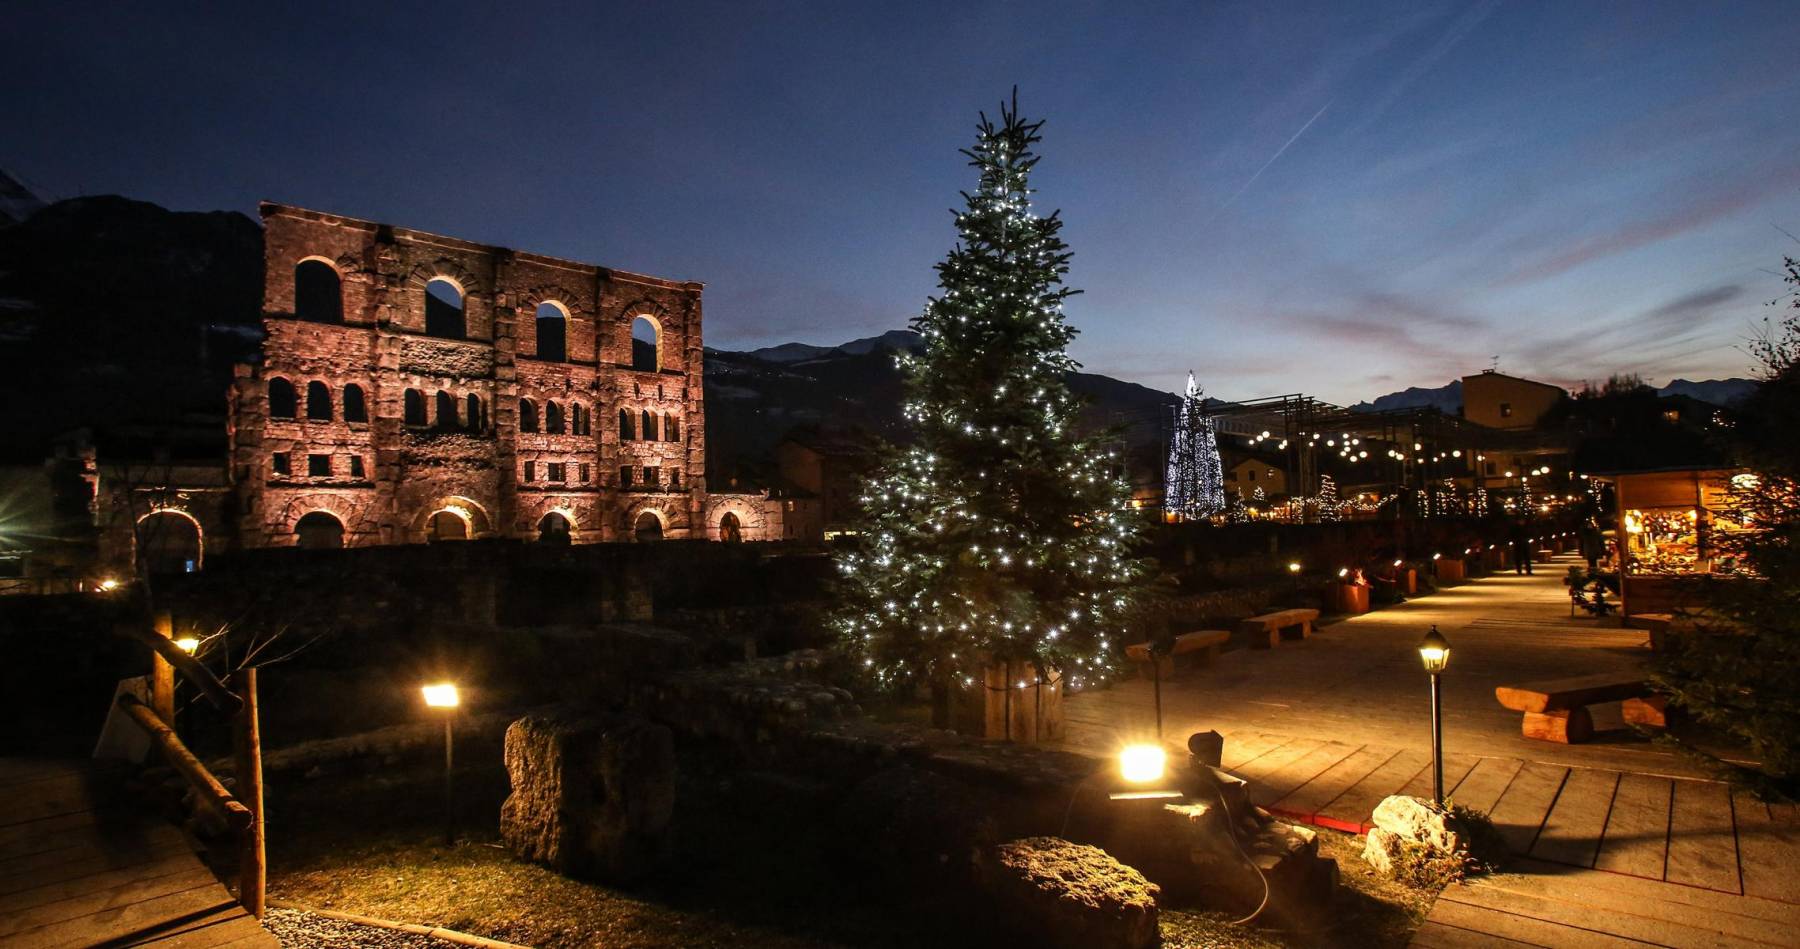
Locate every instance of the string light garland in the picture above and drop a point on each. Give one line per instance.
(1002, 535)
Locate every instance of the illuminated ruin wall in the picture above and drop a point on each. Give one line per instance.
(381, 415)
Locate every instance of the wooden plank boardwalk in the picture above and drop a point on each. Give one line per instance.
(1681, 830)
(81, 865)
(1617, 842)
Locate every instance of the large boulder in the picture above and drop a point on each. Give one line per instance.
(1070, 896)
(591, 796)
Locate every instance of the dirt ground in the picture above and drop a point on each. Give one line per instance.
(373, 844)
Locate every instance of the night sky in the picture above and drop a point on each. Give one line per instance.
(1341, 200)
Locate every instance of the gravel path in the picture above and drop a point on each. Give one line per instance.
(301, 930)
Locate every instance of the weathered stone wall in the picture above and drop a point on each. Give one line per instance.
(389, 475)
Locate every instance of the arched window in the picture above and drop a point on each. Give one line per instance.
(730, 531)
(646, 344)
(444, 312)
(415, 408)
(446, 410)
(552, 332)
(578, 419)
(627, 431)
(318, 401)
(553, 529)
(648, 527)
(477, 419)
(318, 294)
(284, 402)
(318, 530)
(672, 427)
(648, 425)
(356, 409)
(527, 416)
(553, 418)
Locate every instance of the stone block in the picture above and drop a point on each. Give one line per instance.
(1053, 893)
(591, 796)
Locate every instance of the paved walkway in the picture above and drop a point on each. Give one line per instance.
(81, 865)
(1326, 728)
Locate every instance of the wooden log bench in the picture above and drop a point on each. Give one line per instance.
(1205, 642)
(1265, 630)
(1656, 624)
(1556, 710)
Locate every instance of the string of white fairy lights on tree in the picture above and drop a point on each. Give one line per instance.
(1002, 535)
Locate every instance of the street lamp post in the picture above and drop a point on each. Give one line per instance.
(444, 696)
(1434, 651)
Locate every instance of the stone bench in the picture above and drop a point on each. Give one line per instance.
(1265, 630)
(1556, 710)
(1206, 642)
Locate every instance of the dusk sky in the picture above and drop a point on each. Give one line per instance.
(1340, 200)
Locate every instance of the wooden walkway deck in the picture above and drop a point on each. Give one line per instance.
(1680, 830)
(1619, 842)
(80, 865)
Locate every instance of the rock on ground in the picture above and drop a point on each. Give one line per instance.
(1416, 819)
(297, 929)
(590, 796)
(1071, 896)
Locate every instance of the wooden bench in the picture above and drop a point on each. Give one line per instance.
(1206, 642)
(1656, 624)
(1556, 710)
(1265, 630)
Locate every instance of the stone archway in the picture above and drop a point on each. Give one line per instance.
(731, 530)
(554, 528)
(169, 541)
(647, 527)
(446, 525)
(319, 530)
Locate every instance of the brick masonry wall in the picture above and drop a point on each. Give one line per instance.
(475, 467)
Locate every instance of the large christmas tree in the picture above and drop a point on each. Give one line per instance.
(1002, 534)
(1194, 484)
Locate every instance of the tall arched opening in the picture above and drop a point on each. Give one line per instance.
(319, 530)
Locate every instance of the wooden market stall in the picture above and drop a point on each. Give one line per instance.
(1664, 534)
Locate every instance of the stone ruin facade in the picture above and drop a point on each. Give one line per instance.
(415, 387)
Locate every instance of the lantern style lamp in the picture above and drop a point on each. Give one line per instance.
(443, 697)
(1434, 652)
(188, 644)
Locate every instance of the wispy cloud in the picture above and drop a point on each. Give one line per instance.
(1693, 215)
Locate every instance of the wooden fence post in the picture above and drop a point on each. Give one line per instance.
(162, 675)
(252, 871)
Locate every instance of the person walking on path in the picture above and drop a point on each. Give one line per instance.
(1592, 545)
(1521, 546)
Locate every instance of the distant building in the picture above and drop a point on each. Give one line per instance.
(1249, 472)
(1508, 402)
(828, 467)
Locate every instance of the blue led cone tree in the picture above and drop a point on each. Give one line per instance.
(1002, 535)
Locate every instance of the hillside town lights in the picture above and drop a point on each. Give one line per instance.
(1434, 652)
(443, 696)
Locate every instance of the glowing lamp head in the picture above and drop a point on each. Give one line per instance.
(109, 584)
(1437, 556)
(188, 644)
(442, 695)
(1399, 562)
(1142, 764)
(1434, 651)
(1294, 566)
(1343, 571)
